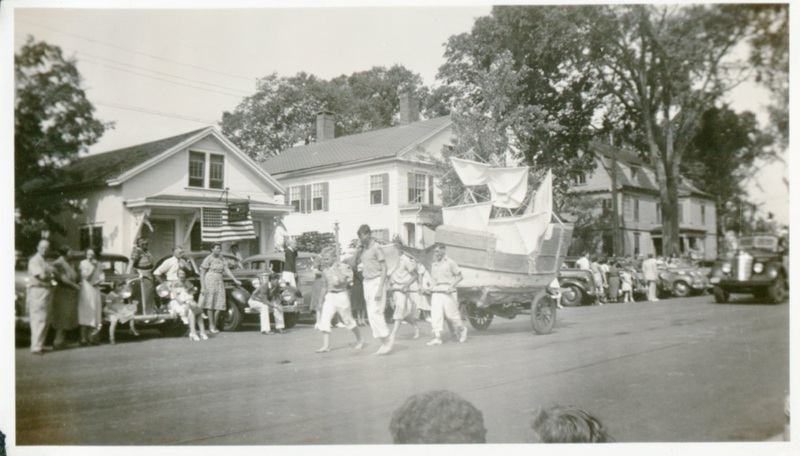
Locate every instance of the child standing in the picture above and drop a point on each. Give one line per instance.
(117, 311)
(627, 285)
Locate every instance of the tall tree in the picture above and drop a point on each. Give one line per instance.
(720, 160)
(281, 113)
(53, 123)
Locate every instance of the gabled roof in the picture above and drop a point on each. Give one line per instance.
(112, 168)
(386, 142)
(642, 179)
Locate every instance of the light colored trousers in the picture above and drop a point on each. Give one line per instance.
(264, 314)
(39, 300)
(376, 308)
(445, 305)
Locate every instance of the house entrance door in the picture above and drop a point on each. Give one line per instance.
(162, 238)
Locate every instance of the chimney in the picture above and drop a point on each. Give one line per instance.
(409, 109)
(325, 126)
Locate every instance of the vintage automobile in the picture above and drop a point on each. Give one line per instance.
(114, 267)
(235, 297)
(681, 280)
(297, 301)
(760, 267)
(577, 287)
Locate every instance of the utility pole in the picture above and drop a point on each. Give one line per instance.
(615, 234)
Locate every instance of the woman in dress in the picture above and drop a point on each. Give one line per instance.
(613, 282)
(65, 298)
(212, 288)
(90, 305)
(142, 261)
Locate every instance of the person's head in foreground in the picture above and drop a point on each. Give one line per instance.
(567, 425)
(437, 417)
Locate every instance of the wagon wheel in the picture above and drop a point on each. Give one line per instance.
(543, 313)
(480, 319)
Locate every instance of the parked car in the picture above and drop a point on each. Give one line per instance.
(114, 267)
(235, 297)
(577, 287)
(760, 267)
(682, 280)
(297, 301)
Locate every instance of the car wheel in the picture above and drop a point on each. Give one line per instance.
(571, 296)
(778, 290)
(480, 319)
(543, 313)
(721, 296)
(290, 319)
(681, 289)
(174, 328)
(232, 318)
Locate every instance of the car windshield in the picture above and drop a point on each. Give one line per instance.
(759, 242)
(112, 267)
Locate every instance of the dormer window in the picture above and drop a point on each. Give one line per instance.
(634, 172)
(206, 170)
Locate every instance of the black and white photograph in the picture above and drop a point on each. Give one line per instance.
(309, 226)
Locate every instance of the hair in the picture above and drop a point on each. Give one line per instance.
(364, 229)
(439, 245)
(176, 248)
(437, 417)
(568, 425)
(329, 252)
(216, 244)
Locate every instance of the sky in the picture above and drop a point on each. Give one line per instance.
(161, 72)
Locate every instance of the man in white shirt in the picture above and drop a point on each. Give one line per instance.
(172, 265)
(650, 272)
(583, 262)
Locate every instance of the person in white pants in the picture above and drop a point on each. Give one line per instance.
(445, 276)
(267, 297)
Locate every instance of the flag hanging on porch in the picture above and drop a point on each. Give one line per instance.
(233, 223)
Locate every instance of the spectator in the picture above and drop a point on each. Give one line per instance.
(90, 305)
(39, 296)
(650, 272)
(212, 288)
(142, 261)
(265, 298)
(234, 252)
(182, 301)
(567, 425)
(290, 263)
(599, 281)
(626, 279)
(65, 299)
(583, 262)
(118, 312)
(172, 265)
(613, 282)
(437, 417)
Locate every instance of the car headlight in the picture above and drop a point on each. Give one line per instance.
(126, 292)
(663, 275)
(758, 268)
(256, 283)
(726, 268)
(162, 290)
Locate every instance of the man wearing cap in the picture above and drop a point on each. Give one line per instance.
(267, 296)
(39, 296)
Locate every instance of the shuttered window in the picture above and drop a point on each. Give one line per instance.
(310, 197)
(294, 197)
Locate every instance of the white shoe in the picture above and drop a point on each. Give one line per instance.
(463, 337)
(435, 342)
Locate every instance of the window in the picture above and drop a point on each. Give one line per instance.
(379, 189)
(309, 198)
(417, 188)
(634, 172)
(216, 173)
(91, 237)
(580, 179)
(637, 243)
(295, 197)
(317, 197)
(635, 210)
(197, 169)
(702, 214)
(381, 234)
(658, 212)
(606, 206)
(680, 213)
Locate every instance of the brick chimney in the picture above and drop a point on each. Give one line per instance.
(325, 126)
(409, 109)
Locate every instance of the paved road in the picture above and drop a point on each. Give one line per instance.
(679, 370)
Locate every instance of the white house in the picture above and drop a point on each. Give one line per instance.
(384, 178)
(157, 190)
(639, 206)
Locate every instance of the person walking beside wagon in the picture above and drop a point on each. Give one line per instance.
(375, 275)
(403, 281)
(212, 287)
(65, 298)
(39, 296)
(445, 277)
(90, 303)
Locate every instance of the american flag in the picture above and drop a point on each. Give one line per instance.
(222, 225)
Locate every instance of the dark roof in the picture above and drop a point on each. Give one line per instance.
(385, 142)
(95, 170)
